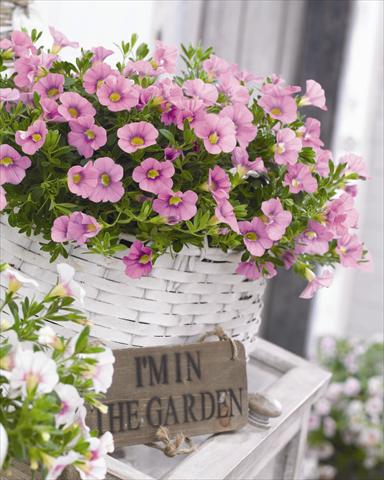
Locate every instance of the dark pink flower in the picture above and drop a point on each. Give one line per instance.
(100, 54)
(206, 92)
(314, 95)
(33, 138)
(354, 164)
(12, 165)
(240, 160)
(314, 240)
(299, 178)
(242, 118)
(138, 262)
(279, 107)
(154, 176)
(350, 250)
(310, 133)
(85, 136)
(176, 206)
(118, 93)
(95, 76)
(340, 215)
(60, 41)
(164, 58)
(82, 180)
(109, 187)
(287, 147)
(136, 135)
(255, 237)
(218, 133)
(171, 153)
(74, 106)
(51, 86)
(321, 281)
(219, 183)
(251, 271)
(225, 214)
(277, 219)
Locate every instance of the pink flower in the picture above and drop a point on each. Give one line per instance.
(165, 57)
(143, 68)
(95, 76)
(225, 214)
(219, 183)
(59, 230)
(242, 118)
(118, 93)
(74, 106)
(314, 240)
(176, 206)
(136, 135)
(82, 180)
(101, 373)
(9, 95)
(190, 109)
(278, 89)
(340, 215)
(218, 133)
(171, 153)
(232, 89)
(82, 227)
(50, 110)
(33, 138)
(299, 178)
(287, 147)
(240, 160)
(321, 281)
(354, 164)
(251, 271)
(279, 107)
(322, 161)
(351, 387)
(314, 95)
(215, 67)
(3, 198)
(58, 464)
(100, 54)
(255, 237)
(12, 165)
(85, 136)
(310, 133)
(203, 91)
(51, 86)
(60, 41)
(20, 44)
(154, 176)
(138, 262)
(350, 251)
(277, 219)
(109, 186)
(27, 69)
(289, 259)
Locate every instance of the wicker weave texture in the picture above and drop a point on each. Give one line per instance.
(186, 294)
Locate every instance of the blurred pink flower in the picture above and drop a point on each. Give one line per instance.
(299, 178)
(74, 106)
(60, 41)
(27, 69)
(85, 136)
(277, 219)
(287, 147)
(232, 88)
(203, 91)
(322, 161)
(219, 183)
(164, 57)
(240, 160)
(33, 138)
(225, 214)
(215, 67)
(251, 271)
(100, 54)
(171, 153)
(321, 281)
(314, 240)
(340, 215)
(351, 387)
(154, 176)
(138, 262)
(136, 135)
(20, 44)
(354, 164)
(350, 250)
(9, 95)
(314, 95)
(310, 133)
(242, 117)
(12, 166)
(109, 187)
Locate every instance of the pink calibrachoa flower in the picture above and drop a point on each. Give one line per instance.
(354, 164)
(244, 166)
(314, 240)
(176, 206)
(59, 230)
(219, 183)
(74, 106)
(33, 138)
(299, 178)
(278, 89)
(225, 214)
(322, 161)
(118, 93)
(341, 215)
(242, 118)
(171, 153)
(350, 250)
(203, 91)
(310, 133)
(50, 86)
(154, 176)
(215, 67)
(279, 107)
(251, 271)
(277, 219)
(218, 133)
(315, 283)
(314, 95)
(3, 199)
(232, 89)
(142, 68)
(60, 41)
(66, 285)
(20, 44)
(191, 109)
(287, 147)
(100, 54)
(289, 259)
(85, 136)
(136, 135)
(164, 57)
(82, 227)
(138, 262)
(50, 110)
(82, 180)
(109, 187)
(95, 76)
(28, 69)
(9, 95)
(255, 237)
(12, 165)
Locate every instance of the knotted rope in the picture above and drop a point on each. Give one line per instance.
(173, 447)
(222, 336)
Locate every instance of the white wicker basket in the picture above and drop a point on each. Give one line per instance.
(186, 294)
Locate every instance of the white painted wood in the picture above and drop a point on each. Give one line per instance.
(122, 471)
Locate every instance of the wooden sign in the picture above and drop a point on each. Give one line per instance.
(191, 389)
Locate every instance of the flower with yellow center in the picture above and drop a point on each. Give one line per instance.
(213, 138)
(311, 235)
(144, 259)
(52, 92)
(276, 111)
(137, 140)
(73, 112)
(105, 179)
(6, 161)
(343, 250)
(175, 200)
(251, 236)
(115, 97)
(153, 173)
(90, 135)
(295, 183)
(76, 178)
(91, 227)
(36, 137)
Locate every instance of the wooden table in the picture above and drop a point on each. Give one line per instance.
(250, 453)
